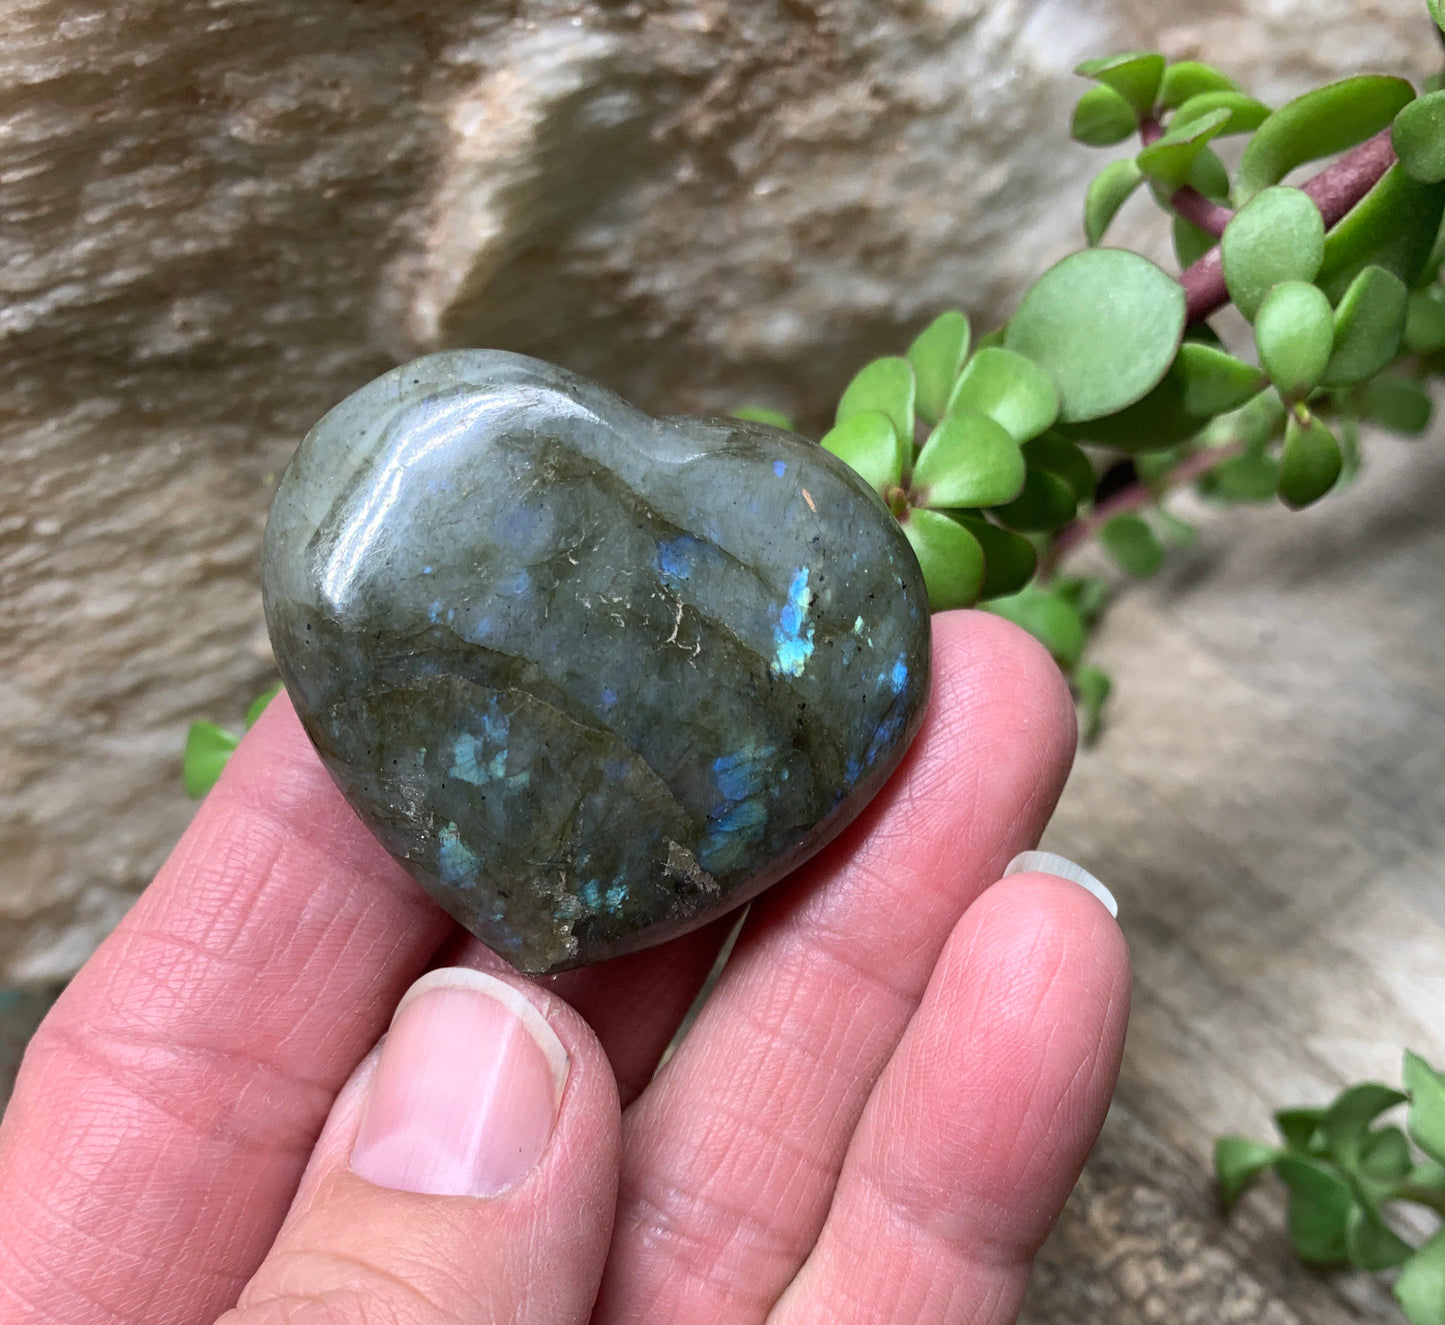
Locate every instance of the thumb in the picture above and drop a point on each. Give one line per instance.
(468, 1170)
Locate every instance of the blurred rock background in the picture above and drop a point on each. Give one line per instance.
(220, 216)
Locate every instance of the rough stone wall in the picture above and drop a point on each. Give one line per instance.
(222, 215)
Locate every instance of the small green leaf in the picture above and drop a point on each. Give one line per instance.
(1425, 321)
(1011, 389)
(1169, 160)
(1419, 138)
(1105, 324)
(1156, 423)
(1102, 118)
(1009, 560)
(1059, 456)
(1046, 503)
(1209, 177)
(887, 386)
(950, 557)
(1420, 1288)
(1295, 332)
(1347, 1121)
(208, 747)
(1328, 120)
(1277, 236)
(1238, 1163)
(1310, 463)
(1393, 226)
(1397, 404)
(1253, 477)
(258, 705)
(1188, 79)
(1132, 544)
(1088, 595)
(1190, 242)
(1426, 1088)
(1371, 1244)
(1385, 1155)
(1319, 1209)
(1214, 382)
(1055, 623)
(937, 355)
(1244, 113)
(1091, 687)
(1299, 1127)
(1135, 76)
(1437, 12)
(760, 414)
(1110, 190)
(1369, 324)
(870, 445)
(968, 460)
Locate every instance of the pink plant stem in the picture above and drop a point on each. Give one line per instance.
(1335, 190)
(1192, 205)
(1132, 498)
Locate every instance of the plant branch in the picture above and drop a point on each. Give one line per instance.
(1132, 498)
(1192, 205)
(1335, 190)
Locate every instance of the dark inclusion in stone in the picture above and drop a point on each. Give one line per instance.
(593, 678)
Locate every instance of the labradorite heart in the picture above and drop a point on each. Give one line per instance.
(593, 678)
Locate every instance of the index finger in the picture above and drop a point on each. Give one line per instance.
(166, 1107)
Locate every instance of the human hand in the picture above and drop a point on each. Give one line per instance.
(876, 1117)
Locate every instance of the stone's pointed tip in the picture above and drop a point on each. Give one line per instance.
(591, 679)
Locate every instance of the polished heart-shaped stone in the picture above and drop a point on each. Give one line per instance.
(592, 677)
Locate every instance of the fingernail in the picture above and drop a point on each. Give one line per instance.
(1061, 867)
(466, 1094)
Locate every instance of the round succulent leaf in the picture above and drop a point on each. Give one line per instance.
(1396, 404)
(1046, 503)
(1320, 123)
(1370, 322)
(1156, 423)
(1055, 623)
(938, 354)
(1091, 689)
(968, 460)
(1010, 388)
(1245, 113)
(1425, 321)
(1213, 380)
(1134, 75)
(1252, 477)
(1238, 1162)
(1105, 324)
(869, 444)
(1187, 79)
(1319, 1208)
(1102, 118)
(1295, 332)
(1056, 454)
(1190, 241)
(1371, 1244)
(950, 557)
(1208, 176)
(1420, 1286)
(259, 704)
(1009, 560)
(1437, 12)
(1279, 235)
(1109, 190)
(1310, 463)
(1418, 136)
(761, 414)
(1393, 226)
(885, 386)
(1169, 160)
(1131, 543)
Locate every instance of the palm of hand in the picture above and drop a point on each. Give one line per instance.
(877, 1116)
